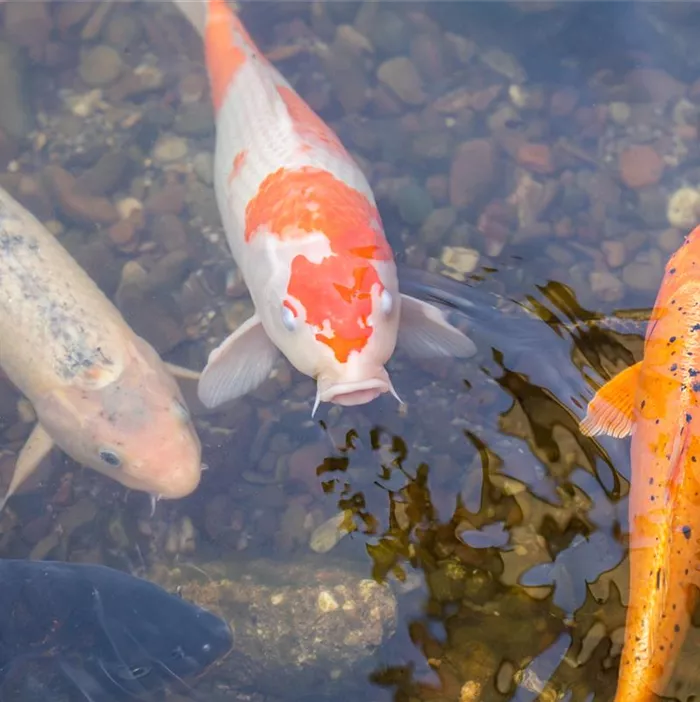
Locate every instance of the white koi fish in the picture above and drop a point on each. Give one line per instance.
(303, 227)
(100, 393)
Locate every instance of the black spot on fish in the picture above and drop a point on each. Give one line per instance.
(674, 366)
(672, 339)
(672, 271)
(688, 417)
(695, 327)
(658, 578)
(686, 532)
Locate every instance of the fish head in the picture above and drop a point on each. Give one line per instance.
(336, 318)
(148, 636)
(136, 428)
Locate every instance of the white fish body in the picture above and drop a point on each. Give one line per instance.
(100, 393)
(303, 226)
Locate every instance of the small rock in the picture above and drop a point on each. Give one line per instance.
(683, 211)
(123, 30)
(645, 273)
(414, 203)
(75, 204)
(438, 186)
(438, 223)
(620, 112)
(100, 66)
(28, 24)
(128, 207)
(192, 87)
(563, 102)
(536, 157)
(655, 84)
(16, 119)
(472, 173)
(170, 199)
(669, 240)
(605, 286)
(427, 56)
(460, 260)
(123, 235)
(652, 206)
(70, 14)
(505, 64)
(203, 165)
(614, 252)
(194, 119)
(640, 165)
(106, 175)
(401, 77)
(170, 148)
(169, 232)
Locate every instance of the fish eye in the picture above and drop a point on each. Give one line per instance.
(177, 653)
(386, 302)
(134, 673)
(288, 318)
(110, 458)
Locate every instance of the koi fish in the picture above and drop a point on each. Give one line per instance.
(657, 401)
(303, 226)
(88, 632)
(100, 393)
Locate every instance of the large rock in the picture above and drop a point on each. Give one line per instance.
(302, 626)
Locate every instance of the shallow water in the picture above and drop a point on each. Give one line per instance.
(497, 139)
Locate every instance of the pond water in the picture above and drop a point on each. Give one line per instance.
(535, 165)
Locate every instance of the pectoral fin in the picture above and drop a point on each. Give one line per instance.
(611, 411)
(33, 452)
(425, 333)
(183, 373)
(238, 365)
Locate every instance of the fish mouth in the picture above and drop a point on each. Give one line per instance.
(353, 393)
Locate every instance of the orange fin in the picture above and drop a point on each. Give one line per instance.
(611, 411)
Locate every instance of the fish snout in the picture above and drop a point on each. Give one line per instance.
(353, 392)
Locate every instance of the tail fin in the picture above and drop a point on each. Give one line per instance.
(195, 11)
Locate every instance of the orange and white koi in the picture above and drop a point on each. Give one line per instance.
(657, 401)
(303, 226)
(100, 393)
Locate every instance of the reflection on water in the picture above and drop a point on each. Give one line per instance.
(545, 178)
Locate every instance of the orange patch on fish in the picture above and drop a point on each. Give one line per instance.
(294, 203)
(238, 162)
(337, 296)
(309, 126)
(224, 54)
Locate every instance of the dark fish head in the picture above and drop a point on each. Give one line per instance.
(153, 637)
(96, 634)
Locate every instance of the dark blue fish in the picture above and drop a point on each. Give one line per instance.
(87, 633)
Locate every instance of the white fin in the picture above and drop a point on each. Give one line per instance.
(196, 13)
(238, 365)
(35, 449)
(425, 333)
(183, 373)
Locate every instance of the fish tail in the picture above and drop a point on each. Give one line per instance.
(196, 11)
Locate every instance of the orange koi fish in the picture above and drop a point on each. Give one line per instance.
(657, 401)
(303, 226)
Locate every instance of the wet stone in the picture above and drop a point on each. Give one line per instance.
(307, 624)
(401, 77)
(414, 203)
(640, 166)
(472, 173)
(100, 66)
